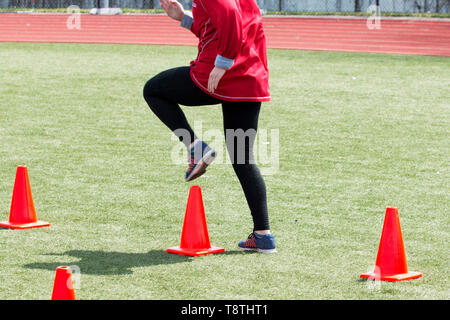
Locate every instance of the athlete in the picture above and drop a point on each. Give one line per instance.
(231, 70)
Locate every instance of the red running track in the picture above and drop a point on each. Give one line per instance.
(401, 36)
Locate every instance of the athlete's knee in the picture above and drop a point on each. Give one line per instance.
(150, 88)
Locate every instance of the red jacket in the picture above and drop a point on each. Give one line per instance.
(233, 30)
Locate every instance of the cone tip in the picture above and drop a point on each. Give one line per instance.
(64, 270)
(22, 167)
(63, 267)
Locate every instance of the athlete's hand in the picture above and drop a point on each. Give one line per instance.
(173, 9)
(214, 78)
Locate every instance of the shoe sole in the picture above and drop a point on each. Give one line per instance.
(200, 169)
(259, 250)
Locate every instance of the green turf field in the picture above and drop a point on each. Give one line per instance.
(358, 132)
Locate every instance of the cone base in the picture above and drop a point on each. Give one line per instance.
(195, 252)
(397, 277)
(37, 224)
(68, 297)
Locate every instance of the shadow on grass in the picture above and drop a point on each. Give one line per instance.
(115, 263)
(111, 263)
(241, 252)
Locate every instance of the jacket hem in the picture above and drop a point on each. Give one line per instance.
(227, 98)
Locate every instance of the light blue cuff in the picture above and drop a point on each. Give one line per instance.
(224, 63)
(187, 20)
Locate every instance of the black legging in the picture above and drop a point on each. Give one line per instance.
(167, 90)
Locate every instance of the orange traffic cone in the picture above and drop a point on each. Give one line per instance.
(194, 237)
(391, 259)
(22, 214)
(63, 285)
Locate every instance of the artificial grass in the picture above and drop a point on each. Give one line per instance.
(357, 132)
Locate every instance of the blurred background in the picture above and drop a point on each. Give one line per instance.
(399, 6)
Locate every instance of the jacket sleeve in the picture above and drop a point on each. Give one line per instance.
(226, 17)
(188, 23)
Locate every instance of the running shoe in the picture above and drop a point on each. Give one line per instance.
(200, 157)
(259, 242)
